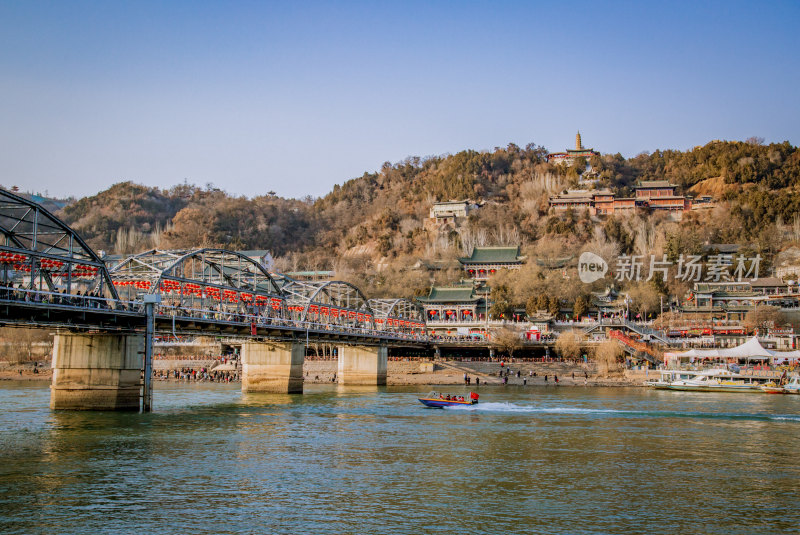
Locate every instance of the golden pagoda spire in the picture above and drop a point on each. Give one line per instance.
(578, 145)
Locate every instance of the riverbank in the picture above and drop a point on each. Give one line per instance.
(415, 373)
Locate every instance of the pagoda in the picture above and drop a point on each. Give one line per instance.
(570, 155)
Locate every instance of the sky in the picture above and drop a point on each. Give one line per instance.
(294, 97)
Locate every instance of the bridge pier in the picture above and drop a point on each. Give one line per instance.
(363, 365)
(272, 367)
(97, 372)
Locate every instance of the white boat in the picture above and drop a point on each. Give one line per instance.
(793, 386)
(716, 380)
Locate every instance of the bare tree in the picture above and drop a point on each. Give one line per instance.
(506, 340)
(607, 357)
(569, 343)
(764, 317)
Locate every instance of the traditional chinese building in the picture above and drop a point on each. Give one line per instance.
(660, 195)
(733, 299)
(574, 200)
(655, 195)
(461, 303)
(449, 210)
(570, 155)
(485, 261)
(600, 202)
(607, 302)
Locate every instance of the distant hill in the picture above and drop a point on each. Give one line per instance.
(373, 228)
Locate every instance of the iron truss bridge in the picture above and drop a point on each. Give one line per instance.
(49, 277)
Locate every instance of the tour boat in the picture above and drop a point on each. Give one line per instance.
(772, 388)
(793, 386)
(440, 401)
(705, 381)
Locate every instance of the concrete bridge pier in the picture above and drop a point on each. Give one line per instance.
(363, 365)
(273, 367)
(97, 372)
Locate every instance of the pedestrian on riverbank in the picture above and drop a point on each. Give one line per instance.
(477, 381)
(555, 378)
(545, 378)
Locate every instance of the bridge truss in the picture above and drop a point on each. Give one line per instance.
(217, 282)
(399, 315)
(40, 253)
(332, 303)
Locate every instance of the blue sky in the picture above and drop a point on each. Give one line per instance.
(298, 96)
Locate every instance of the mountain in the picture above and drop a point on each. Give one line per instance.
(373, 228)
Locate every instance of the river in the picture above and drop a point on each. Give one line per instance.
(373, 460)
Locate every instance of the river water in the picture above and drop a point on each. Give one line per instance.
(374, 460)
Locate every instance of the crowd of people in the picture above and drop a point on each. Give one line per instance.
(84, 299)
(222, 359)
(203, 374)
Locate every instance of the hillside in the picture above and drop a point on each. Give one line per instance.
(371, 229)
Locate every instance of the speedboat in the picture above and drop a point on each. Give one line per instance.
(717, 380)
(440, 401)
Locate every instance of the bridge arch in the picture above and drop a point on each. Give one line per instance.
(399, 315)
(216, 281)
(40, 252)
(335, 303)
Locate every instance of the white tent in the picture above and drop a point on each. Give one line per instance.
(752, 349)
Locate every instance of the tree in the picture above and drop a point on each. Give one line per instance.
(607, 355)
(569, 343)
(506, 340)
(645, 298)
(536, 303)
(554, 305)
(502, 304)
(764, 317)
(580, 307)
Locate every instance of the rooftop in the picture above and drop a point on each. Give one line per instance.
(449, 294)
(440, 203)
(493, 255)
(654, 184)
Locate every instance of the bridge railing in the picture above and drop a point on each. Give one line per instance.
(62, 299)
(261, 320)
(96, 303)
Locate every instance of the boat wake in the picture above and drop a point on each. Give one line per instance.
(514, 408)
(511, 407)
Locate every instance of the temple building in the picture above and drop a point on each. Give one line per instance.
(732, 300)
(570, 155)
(460, 303)
(485, 261)
(599, 202)
(660, 195)
(655, 195)
(449, 210)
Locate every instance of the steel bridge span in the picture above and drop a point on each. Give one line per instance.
(105, 318)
